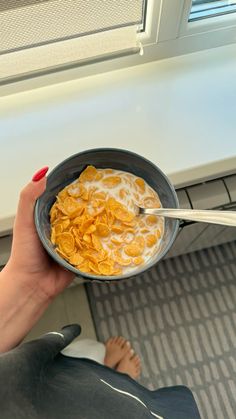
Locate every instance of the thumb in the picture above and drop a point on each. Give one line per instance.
(28, 196)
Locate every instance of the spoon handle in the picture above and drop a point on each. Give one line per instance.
(227, 218)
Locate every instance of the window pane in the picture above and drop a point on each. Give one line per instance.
(42, 36)
(30, 23)
(203, 9)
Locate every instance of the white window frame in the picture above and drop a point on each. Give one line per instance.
(167, 34)
(177, 36)
(149, 37)
(189, 36)
(215, 23)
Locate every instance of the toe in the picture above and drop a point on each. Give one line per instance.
(126, 347)
(111, 340)
(127, 357)
(118, 340)
(138, 368)
(130, 354)
(127, 344)
(138, 365)
(136, 359)
(108, 342)
(122, 342)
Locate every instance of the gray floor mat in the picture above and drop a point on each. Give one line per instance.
(181, 318)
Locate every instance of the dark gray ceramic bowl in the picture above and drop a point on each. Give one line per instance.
(70, 169)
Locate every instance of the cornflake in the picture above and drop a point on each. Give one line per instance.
(95, 226)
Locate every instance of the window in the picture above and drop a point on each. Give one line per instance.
(38, 36)
(49, 41)
(203, 9)
(50, 21)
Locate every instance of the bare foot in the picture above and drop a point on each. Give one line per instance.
(130, 365)
(116, 348)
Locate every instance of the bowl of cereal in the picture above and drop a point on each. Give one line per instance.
(87, 218)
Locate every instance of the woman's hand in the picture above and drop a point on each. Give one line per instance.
(30, 280)
(29, 262)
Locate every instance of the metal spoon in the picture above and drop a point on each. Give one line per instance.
(227, 218)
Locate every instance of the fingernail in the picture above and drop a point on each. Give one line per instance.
(40, 174)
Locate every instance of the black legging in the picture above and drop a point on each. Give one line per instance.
(36, 381)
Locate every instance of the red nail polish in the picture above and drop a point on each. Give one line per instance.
(40, 174)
